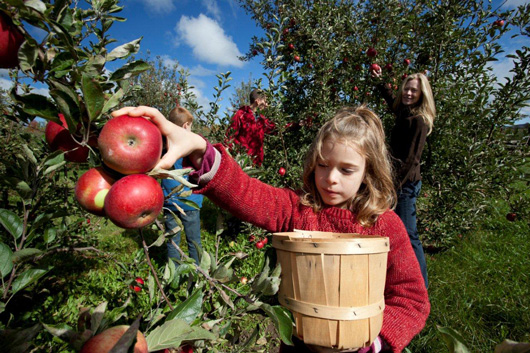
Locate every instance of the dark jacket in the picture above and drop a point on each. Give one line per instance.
(407, 140)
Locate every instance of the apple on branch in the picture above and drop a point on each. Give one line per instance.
(130, 145)
(104, 341)
(134, 201)
(10, 41)
(91, 190)
(59, 137)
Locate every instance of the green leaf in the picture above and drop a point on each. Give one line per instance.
(124, 50)
(36, 5)
(19, 340)
(285, 324)
(114, 101)
(29, 154)
(173, 332)
(206, 261)
(97, 317)
(37, 105)
(61, 331)
(54, 167)
(189, 309)
(6, 260)
(453, 340)
(11, 222)
(54, 158)
(129, 70)
(50, 234)
(27, 277)
(93, 97)
(27, 55)
(24, 254)
(67, 106)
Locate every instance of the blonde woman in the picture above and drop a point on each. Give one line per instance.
(415, 111)
(347, 189)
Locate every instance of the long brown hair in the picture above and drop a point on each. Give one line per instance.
(363, 129)
(425, 106)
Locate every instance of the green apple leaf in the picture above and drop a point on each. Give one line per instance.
(28, 277)
(114, 101)
(27, 55)
(54, 167)
(19, 340)
(173, 332)
(124, 50)
(11, 222)
(453, 340)
(6, 260)
(93, 96)
(24, 254)
(129, 70)
(37, 105)
(282, 321)
(189, 309)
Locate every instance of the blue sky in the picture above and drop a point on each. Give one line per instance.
(206, 37)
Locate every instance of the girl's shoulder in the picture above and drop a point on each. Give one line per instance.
(389, 223)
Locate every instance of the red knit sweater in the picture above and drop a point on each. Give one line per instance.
(279, 210)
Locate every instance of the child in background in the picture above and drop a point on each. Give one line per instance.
(347, 189)
(191, 219)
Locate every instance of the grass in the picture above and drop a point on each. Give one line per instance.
(480, 288)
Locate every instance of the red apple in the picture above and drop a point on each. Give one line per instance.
(103, 342)
(291, 46)
(136, 288)
(91, 190)
(297, 58)
(406, 62)
(139, 280)
(252, 238)
(375, 67)
(10, 41)
(186, 349)
(371, 52)
(355, 88)
(404, 76)
(260, 244)
(265, 241)
(281, 171)
(243, 280)
(254, 52)
(130, 145)
(134, 201)
(498, 23)
(59, 138)
(388, 67)
(511, 216)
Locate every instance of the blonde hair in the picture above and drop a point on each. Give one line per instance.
(179, 116)
(363, 129)
(425, 106)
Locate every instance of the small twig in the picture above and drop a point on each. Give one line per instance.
(213, 281)
(146, 251)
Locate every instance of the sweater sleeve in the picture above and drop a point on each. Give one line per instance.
(387, 95)
(406, 301)
(249, 199)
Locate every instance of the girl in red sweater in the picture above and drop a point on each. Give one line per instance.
(347, 189)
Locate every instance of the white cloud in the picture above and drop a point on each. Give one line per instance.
(514, 3)
(212, 8)
(208, 41)
(158, 6)
(200, 70)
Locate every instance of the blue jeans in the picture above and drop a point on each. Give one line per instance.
(191, 223)
(406, 210)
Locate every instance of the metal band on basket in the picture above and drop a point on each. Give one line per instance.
(333, 312)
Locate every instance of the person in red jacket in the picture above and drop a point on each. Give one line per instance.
(347, 188)
(249, 127)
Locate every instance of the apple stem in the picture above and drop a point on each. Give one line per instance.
(146, 251)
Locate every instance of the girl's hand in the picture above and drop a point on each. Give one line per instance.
(377, 73)
(180, 142)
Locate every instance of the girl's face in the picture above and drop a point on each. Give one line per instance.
(339, 174)
(411, 92)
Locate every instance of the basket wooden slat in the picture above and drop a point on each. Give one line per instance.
(333, 284)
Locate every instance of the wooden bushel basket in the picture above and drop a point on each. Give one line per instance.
(334, 285)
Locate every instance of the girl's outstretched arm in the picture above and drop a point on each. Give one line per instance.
(180, 142)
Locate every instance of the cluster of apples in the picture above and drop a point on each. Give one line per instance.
(119, 189)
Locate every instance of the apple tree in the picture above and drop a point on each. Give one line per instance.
(317, 57)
